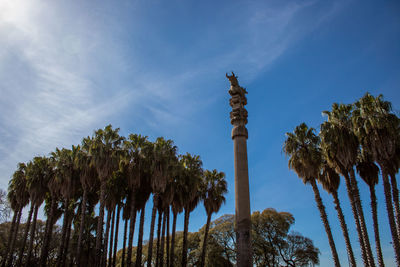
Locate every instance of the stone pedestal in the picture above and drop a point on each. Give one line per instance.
(242, 193)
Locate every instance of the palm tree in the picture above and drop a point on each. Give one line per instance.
(215, 187)
(177, 203)
(394, 168)
(38, 172)
(25, 237)
(132, 164)
(167, 240)
(377, 130)
(116, 190)
(54, 191)
(193, 174)
(76, 193)
(111, 202)
(120, 185)
(68, 180)
(143, 196)
(18, 191)
(305, 160)
(369, 172)
(340, 147)
(164, 204)
(88, 180)
(164, 152)
(114, 256)
(125, 216)
(166, 200)
(104, 152)
(160, 253)
(160, 220)
(330, 181)
(141, 199)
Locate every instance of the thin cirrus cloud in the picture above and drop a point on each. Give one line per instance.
(47, 98)
(65, 71)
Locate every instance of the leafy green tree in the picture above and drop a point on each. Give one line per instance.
(269, 230)
(37, 242)
(273, 244)
(299, 251)
(5, 207)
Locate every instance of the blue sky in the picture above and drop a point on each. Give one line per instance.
(158, 68)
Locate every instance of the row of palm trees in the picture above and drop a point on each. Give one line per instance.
(118, 175)
(362, 137)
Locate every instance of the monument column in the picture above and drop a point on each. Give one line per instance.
(242, 194)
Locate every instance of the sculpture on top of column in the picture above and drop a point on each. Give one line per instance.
(238, 101)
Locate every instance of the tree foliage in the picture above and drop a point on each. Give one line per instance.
(273, 243)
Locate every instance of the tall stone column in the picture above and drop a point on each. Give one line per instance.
(242, 194)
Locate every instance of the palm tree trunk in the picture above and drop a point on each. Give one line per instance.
(162, 240)
(124, 244)
(46, 230)
(395, 194)
(203, 252)
(185, 234)
(324, 219)
(158, 237)
(32, 236)
(389, 209)
(376, 226)
(153, 218)
(345, 231)
(356, 219)
(140, 239)
(10, 257)
(167, 246)
(12, 229)
(171, 259)
(81, 227)
(131, 234)
(364, 230)
(27, 226)
(116, 236)
(67, 238)
(49, 232)
(64, 233)
(105, 247)
(99, 234)
(72, 256)
(111, 239)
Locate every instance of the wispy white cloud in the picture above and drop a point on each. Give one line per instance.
(257, 37)
(48, 99)
(65, 71)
